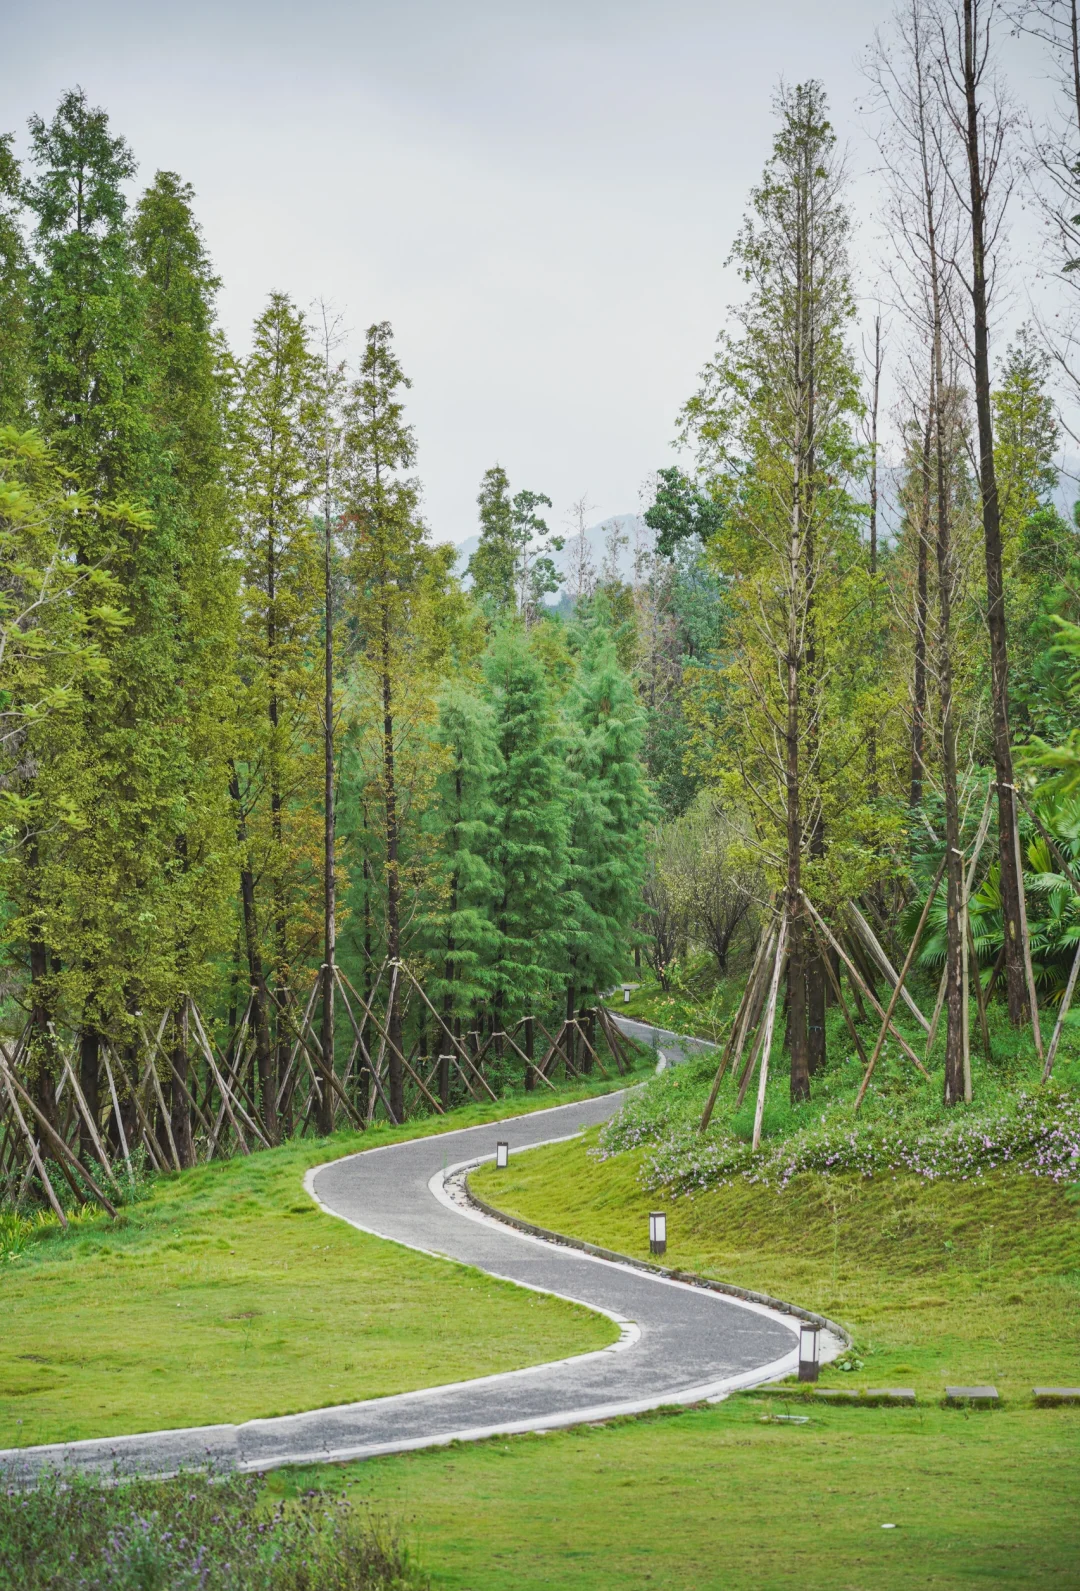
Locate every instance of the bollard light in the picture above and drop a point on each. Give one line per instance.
(809, 1350)
(502, 1156)
(626, 994)
(657, 1232)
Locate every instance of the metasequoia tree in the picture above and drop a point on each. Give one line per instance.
(773, 425)
(274, 778)
(924, 212)
(184, 397)
(973, 136)
(400, 604)
(15, 324)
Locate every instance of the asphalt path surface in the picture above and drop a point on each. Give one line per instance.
(678, 1343)
(671, 1048)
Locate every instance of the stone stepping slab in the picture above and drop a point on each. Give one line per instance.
(971, 1397)
(1049, 1397)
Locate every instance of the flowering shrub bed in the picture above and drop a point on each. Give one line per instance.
(1037, 1134)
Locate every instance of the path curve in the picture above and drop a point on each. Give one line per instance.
(672, 1048)
(678, 1344)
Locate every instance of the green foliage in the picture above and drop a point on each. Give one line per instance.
(191, 1533)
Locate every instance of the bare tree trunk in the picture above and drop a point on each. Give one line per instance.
(265, 1058)
(918, 705)
(327, 1102)
(393, 882)
(973, 64)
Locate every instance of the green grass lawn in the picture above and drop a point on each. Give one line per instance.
(939, 1283)
(716, 1498)
(226, 1294)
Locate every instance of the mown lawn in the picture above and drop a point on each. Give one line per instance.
(940, 1283)
(717, 1498)
(226, 1294)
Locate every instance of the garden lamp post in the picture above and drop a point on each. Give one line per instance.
(809, 1350)
(657, 1232)
(502, 1156)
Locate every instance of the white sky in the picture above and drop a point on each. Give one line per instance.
(539, 196)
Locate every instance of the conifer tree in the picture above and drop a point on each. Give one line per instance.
(609, 813)
(529, 853)
(184, 398)
(275, 780)
(459, 934)
(493, 566)
(14, 293)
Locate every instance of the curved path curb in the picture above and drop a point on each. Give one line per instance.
(680, 1342)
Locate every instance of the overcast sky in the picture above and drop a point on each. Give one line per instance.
(539, 196)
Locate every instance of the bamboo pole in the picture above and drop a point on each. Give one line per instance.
(905, 969)
(770, 1014)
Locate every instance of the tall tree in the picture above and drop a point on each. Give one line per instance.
(981, 122)
(184, 399)
(15, 328)
(773, 425)
(275, 781)
(388, 565)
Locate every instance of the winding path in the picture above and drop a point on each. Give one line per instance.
(678, 1343)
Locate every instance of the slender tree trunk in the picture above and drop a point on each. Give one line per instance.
(871, 742)
(327, 1105)
(393, 881)
(1015, 973)
(265, 1057)
(180, 1108)
(918, 705)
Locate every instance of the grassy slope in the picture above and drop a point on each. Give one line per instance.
(227, 1295)
(938, 1283)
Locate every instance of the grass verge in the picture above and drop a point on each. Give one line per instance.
(226, 1294)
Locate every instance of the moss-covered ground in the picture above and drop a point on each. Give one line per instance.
(225, 1294)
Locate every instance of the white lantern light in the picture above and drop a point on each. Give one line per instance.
(502, 1156)
(809, 1350)
(657, 1232)
(626, 994)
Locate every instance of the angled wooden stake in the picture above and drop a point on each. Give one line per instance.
(1063, 1011)
(766, 1043)
(35, 1158)
(908, 959)
(116, 1111)
(869, 939)
(737, 1037)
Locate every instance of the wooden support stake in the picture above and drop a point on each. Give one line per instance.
(849, 964)
(980, 1002)
(766, 1046)
(432, 1101)
(35, 1158)
(1063, 1011)
(908, 959)
(1025, 938)
(66, 1156)
(853, 1032)
(91, 1124)
(870, 940)
(737, 1037)
(116, 1111)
